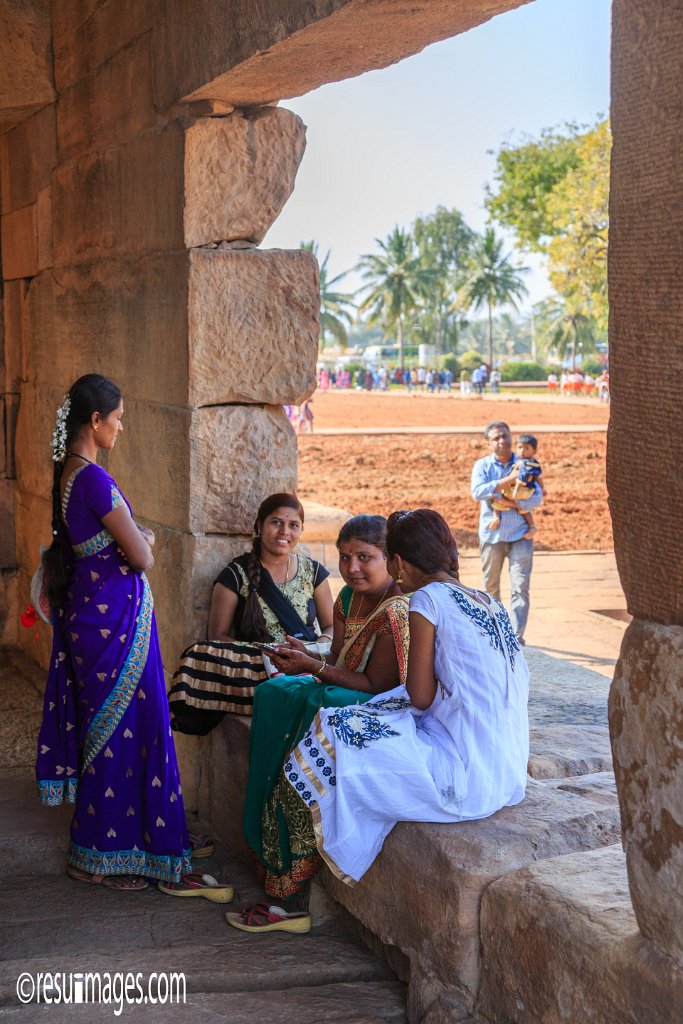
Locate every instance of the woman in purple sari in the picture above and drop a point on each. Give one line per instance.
(105, 743)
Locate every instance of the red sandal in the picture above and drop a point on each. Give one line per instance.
(264, 918)
(197, 884)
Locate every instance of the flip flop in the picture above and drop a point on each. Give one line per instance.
(121, 883)
(197, 884)
(202, 844)
(263, 918)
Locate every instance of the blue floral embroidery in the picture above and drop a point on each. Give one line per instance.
(356, 727)
(165, 867)
(117, 499)
(486, 623)
(53, 792)
(390, 704)
(94, 544)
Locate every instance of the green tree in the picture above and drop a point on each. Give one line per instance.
(444, 243)
(525, 177)
(553, 193)
(335, 307)
(564, 329)
(492, 280)
(395, 283)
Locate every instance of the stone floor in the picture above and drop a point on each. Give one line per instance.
(53, 924)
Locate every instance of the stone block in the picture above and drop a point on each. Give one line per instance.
(646, 726)
(240, 454)
(9, 607)
(14, 340)
(248, 54)
(239, 173)
(181, 579)
(19, 243)
(88, 33)
(557, 751)
(44, 228)
(35, 424)
(8, 545)
(646, 305)
(440, 872)
(28, 155)
(601, 787)
(224, 767)
(560, 944)
(322, 524)
(151, 462)
(253, 326)
(126, 199)
(127, 320)
(112, 103)
(33, 517)
(25, 60)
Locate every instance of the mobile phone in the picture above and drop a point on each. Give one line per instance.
(265, 647)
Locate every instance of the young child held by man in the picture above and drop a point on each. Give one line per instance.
(529, 472)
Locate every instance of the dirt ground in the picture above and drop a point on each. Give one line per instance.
(378, 474)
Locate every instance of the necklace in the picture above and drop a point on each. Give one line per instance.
(286, 580)
(362, 598)
(77, 455)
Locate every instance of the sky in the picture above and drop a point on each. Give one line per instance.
(392, 144)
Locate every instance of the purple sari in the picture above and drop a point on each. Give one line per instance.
(105, 743)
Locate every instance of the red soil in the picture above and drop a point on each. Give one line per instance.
(377, 474)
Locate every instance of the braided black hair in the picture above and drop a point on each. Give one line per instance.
(252, 624)
(89, 394)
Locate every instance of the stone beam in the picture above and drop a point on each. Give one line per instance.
(26, 82)
(246, 54)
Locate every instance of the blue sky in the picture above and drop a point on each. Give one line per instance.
(392, 144)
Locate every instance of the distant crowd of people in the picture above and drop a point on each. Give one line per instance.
(579, 383)
(479, 381)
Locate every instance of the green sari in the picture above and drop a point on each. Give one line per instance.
(275, 828)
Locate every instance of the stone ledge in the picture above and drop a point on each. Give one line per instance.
(422, 895)
(561, 937)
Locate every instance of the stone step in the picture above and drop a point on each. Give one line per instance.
(33, 838)
(237, 963)
(560, 943)
(347, 1003)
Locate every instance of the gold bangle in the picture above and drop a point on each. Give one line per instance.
(323, 660)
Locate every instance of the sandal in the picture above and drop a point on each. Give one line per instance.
(196, 884)
(202, 844)
(263, 918)
(122, 883)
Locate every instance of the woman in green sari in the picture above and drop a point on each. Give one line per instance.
(369, 656)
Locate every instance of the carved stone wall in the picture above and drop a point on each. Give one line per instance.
(646, 353)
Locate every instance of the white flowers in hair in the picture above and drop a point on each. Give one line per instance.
(58, 442)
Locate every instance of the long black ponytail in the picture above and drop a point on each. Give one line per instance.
(89, 394)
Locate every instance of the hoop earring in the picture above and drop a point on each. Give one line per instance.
(399, 578)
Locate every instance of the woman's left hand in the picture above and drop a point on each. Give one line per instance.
(147, 534)
(293, 663)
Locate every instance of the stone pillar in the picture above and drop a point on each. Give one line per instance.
(645, 451)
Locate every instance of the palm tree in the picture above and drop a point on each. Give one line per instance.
(335, 307)
(566, 327)
(492, 280)
(395, 282)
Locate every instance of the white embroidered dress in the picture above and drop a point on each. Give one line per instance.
(361, 769)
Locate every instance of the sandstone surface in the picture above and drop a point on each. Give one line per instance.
(441, 872)
(560, 944)
(19, 243)
(26, 81)
(115, 101)
(559, 750)
(28, 155)
(253, 326)
(239, 454)
(646, 725)
(239, 173)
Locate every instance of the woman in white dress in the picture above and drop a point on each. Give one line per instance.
(450, 745)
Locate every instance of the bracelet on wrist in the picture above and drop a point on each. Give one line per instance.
(319, 672)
